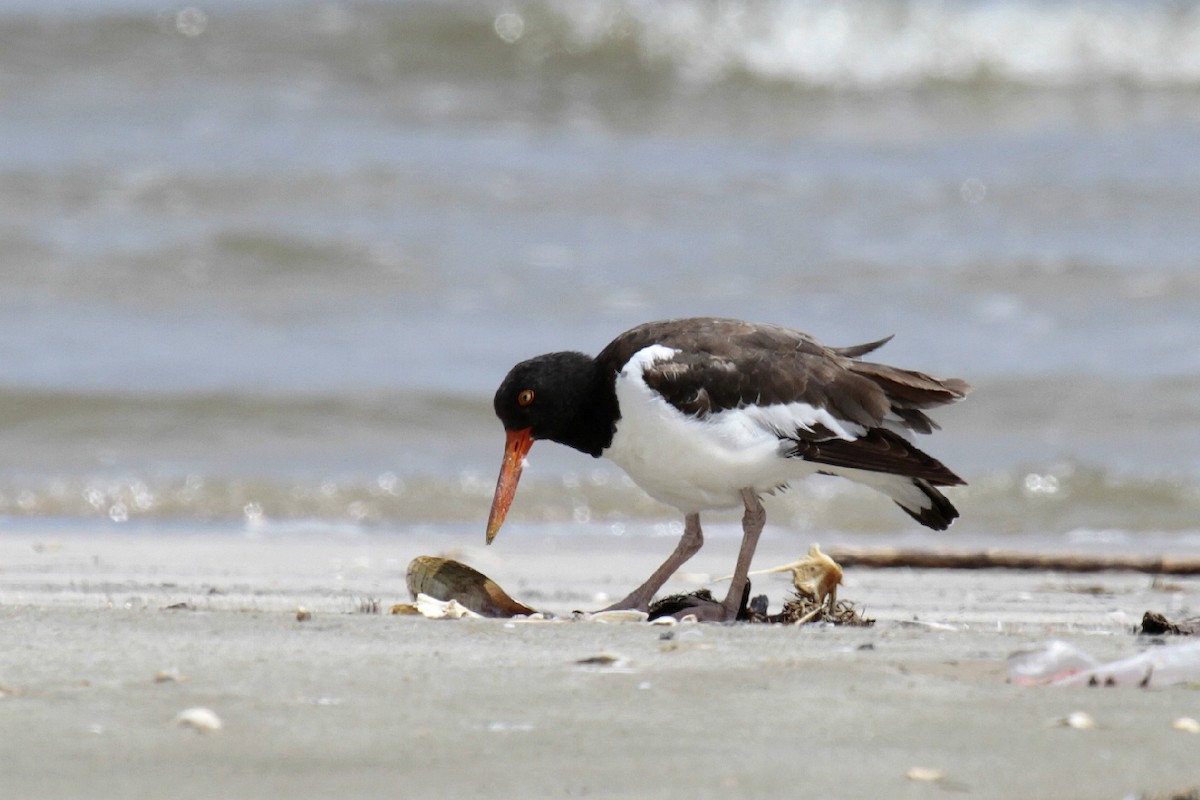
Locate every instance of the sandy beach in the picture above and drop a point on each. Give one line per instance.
(264, 264)
(358, 704)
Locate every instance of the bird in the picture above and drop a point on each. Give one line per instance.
(711, 413)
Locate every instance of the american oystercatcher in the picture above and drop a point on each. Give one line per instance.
(711, 413)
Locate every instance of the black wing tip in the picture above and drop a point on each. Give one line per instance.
(878, 450)
(938, 515)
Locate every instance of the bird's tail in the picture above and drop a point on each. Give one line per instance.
(916, 496)
(923, 502)
(909, 392)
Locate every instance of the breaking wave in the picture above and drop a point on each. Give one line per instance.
(824, 44)
(882, 43)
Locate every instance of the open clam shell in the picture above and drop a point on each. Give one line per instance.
(447, 579)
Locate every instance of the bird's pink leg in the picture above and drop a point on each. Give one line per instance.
(752, 525)
(691, 541)
(727, 610)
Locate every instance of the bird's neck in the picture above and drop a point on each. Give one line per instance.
(593, 420)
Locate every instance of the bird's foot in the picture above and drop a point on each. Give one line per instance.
(634, 602)
(706, 611)
(702, 606)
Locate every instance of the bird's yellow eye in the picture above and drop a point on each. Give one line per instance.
(525, 397)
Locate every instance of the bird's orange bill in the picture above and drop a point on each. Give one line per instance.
(515, 448)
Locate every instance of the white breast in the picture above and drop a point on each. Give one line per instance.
(696, 464)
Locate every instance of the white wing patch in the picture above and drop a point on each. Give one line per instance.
(785, 420)
(643, 358)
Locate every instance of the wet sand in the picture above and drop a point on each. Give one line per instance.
(356, 704)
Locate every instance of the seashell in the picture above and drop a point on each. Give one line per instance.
(618, 615)
(169, 676)
(432, 608)
(924, 774)
(1079, 720)
(501, 726)
(303, 614)
(447, 579)
(201, 720)
(602, 660)
(1186, 724)
(404, 609)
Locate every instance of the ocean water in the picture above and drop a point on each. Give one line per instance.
(264, 263)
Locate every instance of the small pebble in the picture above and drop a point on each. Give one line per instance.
(924, 774)
(1186, 724)
(602, 660)
(404, 609)
(201, 720)
(303, 614)
(1079, 720)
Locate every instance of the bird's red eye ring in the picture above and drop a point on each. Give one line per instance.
(525, 397)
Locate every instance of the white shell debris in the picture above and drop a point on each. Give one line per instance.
(501, 726)
(929, 626)
(1079, 720)
(620, 615)
(924, 774)
(201, 720)
(1186, 724)
(432, 608)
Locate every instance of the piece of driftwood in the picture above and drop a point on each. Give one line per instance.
(888, 557)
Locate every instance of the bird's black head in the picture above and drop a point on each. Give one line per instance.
(564, 397)
(546, 395)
